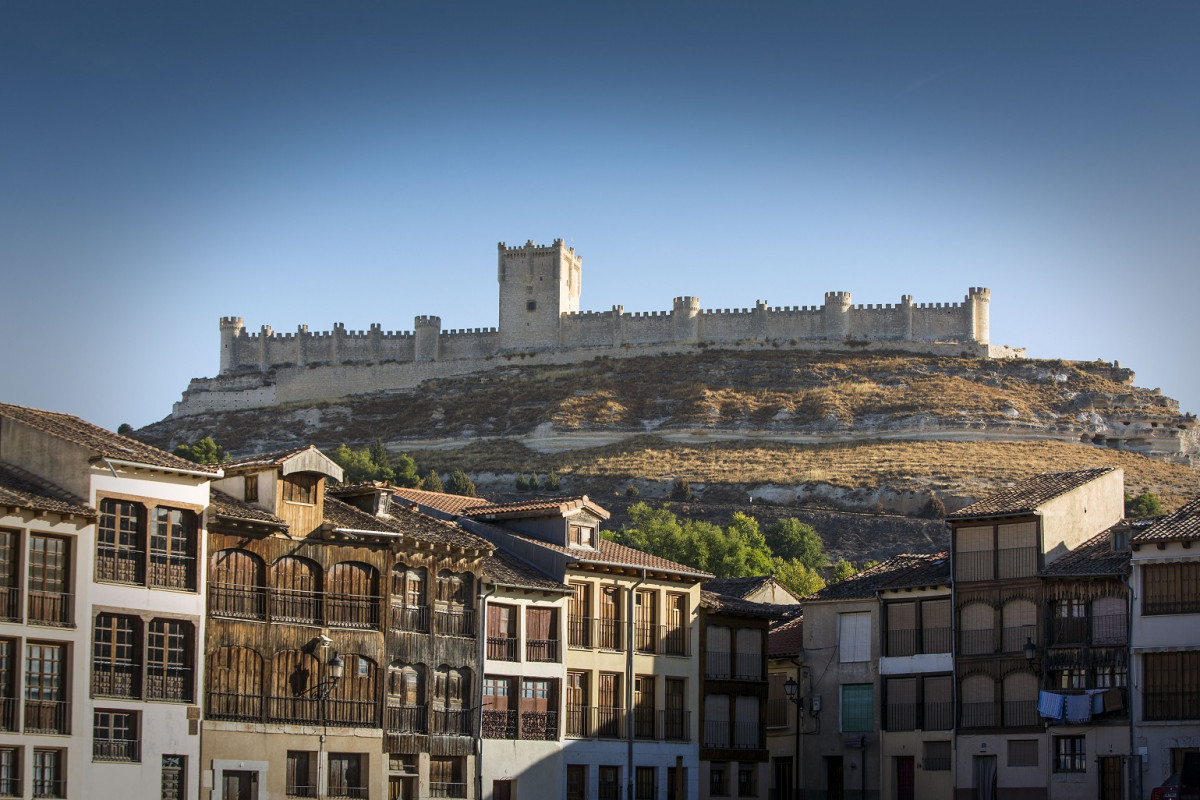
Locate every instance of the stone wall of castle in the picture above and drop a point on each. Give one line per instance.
(540, 318)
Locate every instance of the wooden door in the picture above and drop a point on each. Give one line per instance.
(239, 785)
(609, 703)
(677, 623)
(580, 616)
(675, 703)
(1110, 778)
(645, 619)
(610, 618)
(833, 778)
(577, 701)
(541, 635)
(905, 774)
(643, 706)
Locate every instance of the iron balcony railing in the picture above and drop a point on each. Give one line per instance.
(901, 717)
(233, 705)
(1013, 638)
(579, 632)
(49, 786)
(450, 620)
(665, 640)
(173, 684)
(938, 715)
(502, 648)
(595, 722)
(352, 610)
(718, 664)
(405, 719)
(410, 618)
(127, 750)
(498, 724)
(1016, 562)
(977, 715)
(723, 734)
(917, 641)
(451, 722)
(115, 680)
(913, 716)
(52, 608)
(171, 571)
(589, 632)
(120, 565)
(235, 601)
(977, 641)
(541, 650)
(8, 714)
(10, 604)
(1068, 630)
(10, 786)
(539, 725)
(295, 605)
(348, 793)
(48, 716)
(298, 790)
(979, 565)
(610, 634)
(1020, 713)
(314, 710)
(1109, 629)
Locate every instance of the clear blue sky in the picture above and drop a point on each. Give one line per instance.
(164, 164)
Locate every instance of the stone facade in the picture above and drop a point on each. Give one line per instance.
(539, 317)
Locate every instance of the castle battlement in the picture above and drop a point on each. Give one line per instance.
(540, 287)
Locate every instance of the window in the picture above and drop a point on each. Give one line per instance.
(541, 634)
(1114, 676)
(675, 714)
(120, 537)
(446, 777)
(115, 668)
(747, 785)
(746, 731)
(346, 776)
(172, 549)
(300, 489)
(46, 708)
(609, 632)
(901, 629)
(501, 632)
(748, 663)
(977, 701)
(499, 708)
(777, 702)
(718, 652)
(250, 489)
(716, 720)
(854, 637)
(1069, 755)
(10, 591)
(531, 305)
(582, 535)
(935, 626)
(1171, 588)
(115, 736)
(409, 606)
(1069, 678)
(174, 777)
(938, 703)
(579, 622)
(539, 704)
(901, 704)
(643, 706)
(169, 661)
(10, 772)
(9, 664)
(608, 712)
(1022, 752)
(49, 777)
(609, 783)
(675, 640)
(718, 780)
(936, 756)
(301, 778)
(644, 783)
(1172, 685)
(50, 601)
(858, 707)
(578, 721)
(645, 621)
(502, 790)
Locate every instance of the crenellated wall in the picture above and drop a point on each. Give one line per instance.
(539, 314)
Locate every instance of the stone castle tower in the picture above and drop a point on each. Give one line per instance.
(537, 285)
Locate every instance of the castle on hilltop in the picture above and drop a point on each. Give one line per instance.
(540, 322)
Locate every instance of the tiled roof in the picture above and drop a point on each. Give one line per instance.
(102, 442)
(538, 507)
(1094, 557)
(1026, 496)
(265, 459)
(401, 521)
(726, 604)
(21, 489)
(929, 570)
(607, 552)
(506, 569)
(441, 501)
(736, 587)
(228, 507)
(885, 574)
(343, 489)
(1182, 524)
(786, 639)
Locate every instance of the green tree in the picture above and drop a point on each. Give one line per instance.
(459, 483)
(1145, 504)
(432, 482)
(682, 490)
(734, 551)
(534, 483)
(792, 540)
(799, 578)
(553, 482)
(842, 570)
(358, 465)
(125, 429)
(205, 451)
(404, 472)
(744, 550)
(935, 508)
(522, 484)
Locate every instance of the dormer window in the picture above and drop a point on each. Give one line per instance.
(1120, 540)
(301, 489)
(582, 536)
(250, 491)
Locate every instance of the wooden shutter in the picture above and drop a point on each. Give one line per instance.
(610, 690)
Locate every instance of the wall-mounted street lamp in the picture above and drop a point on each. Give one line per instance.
(335, 667)
(1030, 650)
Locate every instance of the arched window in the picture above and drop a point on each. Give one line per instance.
(236, 588)
(978, 702)
(451, 704)
(1020, 699)
(1020, 624)
(410, 610)
(406, 698)
(295, 686)
(353, 597)
(235, 689)
(453, 610)
(352, 701)
(977, 632)
(296, 587)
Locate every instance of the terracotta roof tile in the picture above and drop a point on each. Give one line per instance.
(440, 501)
(886, 574)
(561, 505)
(1095, 557)
(404, 522)
(1026, 496)
(1181, 525)
(228, 507)
(727, 604)
(102, 442)
(607, 552)
(506, 569)
(264, 459)
(932, 570)
(736, 587)
(22, 489)
(786, 639)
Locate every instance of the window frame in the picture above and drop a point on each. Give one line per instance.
(1070, 754)
(107, 725)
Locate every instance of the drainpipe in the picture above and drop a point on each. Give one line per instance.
(629, 643)
(482, 645)
(1134, 761)
(798, 704)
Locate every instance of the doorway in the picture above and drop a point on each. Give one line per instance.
(784, 787)
(239, 785)
(1110, 778)
(985, 777)
(833, 778)
(905, 776)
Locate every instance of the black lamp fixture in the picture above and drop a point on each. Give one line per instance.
(1030, 650)
(335, 667)
(789, 688)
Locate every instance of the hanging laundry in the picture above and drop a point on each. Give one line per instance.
(1050, 705)
(1078, 708)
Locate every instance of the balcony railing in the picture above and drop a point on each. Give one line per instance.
(443, 789)
(115, 680)
(119, 565)
(748, 667)
(610, 634)
(451, 722)
(939, 715)
(1171, 605)
(348, 793)
(1020, 713)
(405, 719)
(541, 725)
(1012, 639)
(1171, 705)
(718, 664)
(579, 632)
(541, 650)
(915, 641)
(171, 571)
(643, 723)
(235, 601)
(902, 716)
(48, 716)
(1068, 630)
(779, 713)
(314, 710)
(52, 608)
(410, 618)
(977, 641)
(299, 790)
(724, 734)
(10, 786)
(352, 611)
(49, 787)
(10, 604)
(498, 725)
(978, 565)
(661, 639)
(977, 715)
(8, 714)
(1017, 562)
(595, 722)
(173, 684)
(502, 648)
(294, 605)
(453, 620)
(1110, 629)
(233, 705)
(127, 750)
(675, 724)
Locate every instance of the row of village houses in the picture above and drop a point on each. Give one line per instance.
(258, 630)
